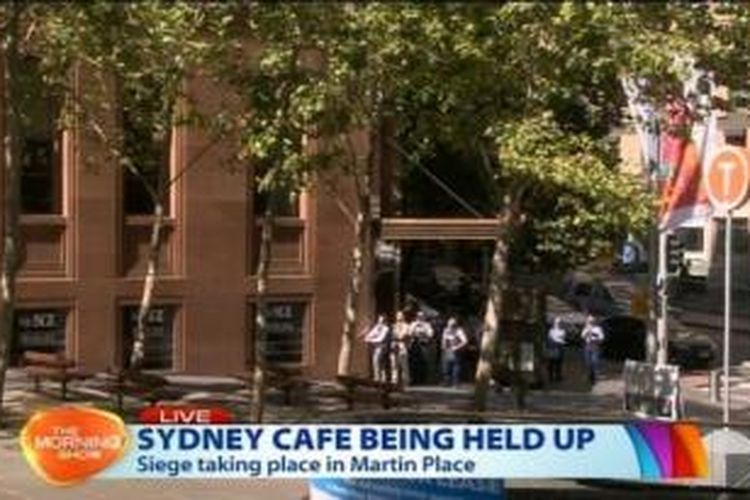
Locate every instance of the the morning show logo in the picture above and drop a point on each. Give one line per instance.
(68, 445)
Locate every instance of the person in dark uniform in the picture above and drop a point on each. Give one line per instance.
(555, 355)
(422, 339)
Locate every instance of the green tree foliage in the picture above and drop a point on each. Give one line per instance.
(540, 85)
(574, 202)
(474, 77)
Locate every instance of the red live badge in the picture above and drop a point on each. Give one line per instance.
(184, 414)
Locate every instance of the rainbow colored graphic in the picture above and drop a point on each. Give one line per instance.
(668, 450)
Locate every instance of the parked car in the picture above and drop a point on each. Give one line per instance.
(625, 338)
(691, 350)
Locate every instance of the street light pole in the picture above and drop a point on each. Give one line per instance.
(727, 311)
(661, 319)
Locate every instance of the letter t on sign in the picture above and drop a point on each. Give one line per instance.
(726, 168)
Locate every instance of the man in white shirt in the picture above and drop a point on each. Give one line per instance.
(453, 340)
(593, 337)
(377, 337)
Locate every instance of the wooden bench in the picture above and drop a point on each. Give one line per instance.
(352, 383)
(285, 379)
(135, 383)
(51, 366)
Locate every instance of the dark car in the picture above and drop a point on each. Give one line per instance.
(691, 350)
(625, 338)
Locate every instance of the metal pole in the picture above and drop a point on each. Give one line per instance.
(661, 319)
(653, 282)
(727, 309)
(397, 278)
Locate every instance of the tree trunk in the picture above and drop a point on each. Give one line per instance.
(149, 284)
(261, 310)
(12, 195)
(492, 315)
(348, 336)
(507, 221)
(362, 227)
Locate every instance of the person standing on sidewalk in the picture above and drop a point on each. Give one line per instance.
(378, 338)
(592, 336)
(453, 340)
(399, 354)
(422, 336)
(555, 351)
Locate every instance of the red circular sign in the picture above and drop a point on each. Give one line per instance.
(727, 178)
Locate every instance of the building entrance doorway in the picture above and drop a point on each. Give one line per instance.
(441, 279)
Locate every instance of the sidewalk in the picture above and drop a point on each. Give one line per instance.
(570, 400)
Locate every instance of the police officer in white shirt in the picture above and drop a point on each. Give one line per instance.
(593, 337)
(377, 337)
(423, 350)
(555, 351)
(453, 340)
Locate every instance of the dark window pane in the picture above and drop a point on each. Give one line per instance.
(158, 349)
(41, 330)
(285, 332)
(284, 205)
(691, 238)
(40, 166)
(147, 156)
(737, 139)
(740, 240)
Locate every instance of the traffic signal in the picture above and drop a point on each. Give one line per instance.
(675, 254)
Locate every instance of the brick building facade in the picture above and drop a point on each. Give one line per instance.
(85, 238)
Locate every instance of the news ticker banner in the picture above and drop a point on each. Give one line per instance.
(69, 444)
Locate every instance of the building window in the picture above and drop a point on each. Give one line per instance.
(41, 189)
(284, 204)
(736, 138)
(41, 330)
(691, 238)
(286, 328)
(740, 240)
(159, 344)
(148, 156)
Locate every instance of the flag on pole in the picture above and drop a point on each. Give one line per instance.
(686, 147)
(675, 153)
